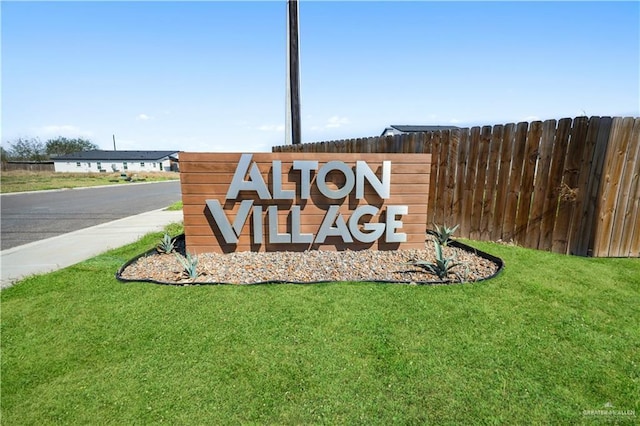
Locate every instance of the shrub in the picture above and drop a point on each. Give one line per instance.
(190, 265)
(166, 245)
(441, 267)
(443, 233)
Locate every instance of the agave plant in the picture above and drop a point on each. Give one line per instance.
(166, 245)
(189, 264)
(441, 267)
(443, 233)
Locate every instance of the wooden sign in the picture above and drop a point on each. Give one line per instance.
(304, 201)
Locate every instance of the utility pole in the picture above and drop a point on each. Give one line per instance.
(114, 142)
(293, 133)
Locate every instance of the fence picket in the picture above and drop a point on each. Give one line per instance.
(626, 162)
(420, 143)
(438, 218)
(552, 193)
(499, 211)
(493, 167)
(586, 203)
(462, 169)
(541, 178)
(451, 143)
(568, 203)
(434, 148)
(595, 181)
(514, 192)
(613, 165)
(470, 182)
(630, 245)
(480, 182)
(526, 191)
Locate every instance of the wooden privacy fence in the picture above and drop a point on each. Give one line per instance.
(567, 186)
(31, 166)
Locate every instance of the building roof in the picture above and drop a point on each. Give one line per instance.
(407, 128)
(100, 155)
(410, 128)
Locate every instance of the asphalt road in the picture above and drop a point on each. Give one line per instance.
(35, 216)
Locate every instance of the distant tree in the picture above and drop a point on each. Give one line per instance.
(23, 149)
(4, 155)
(62, 146)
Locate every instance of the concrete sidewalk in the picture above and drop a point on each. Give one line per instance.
(65, 250)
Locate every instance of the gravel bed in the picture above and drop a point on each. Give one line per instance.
(308, 267)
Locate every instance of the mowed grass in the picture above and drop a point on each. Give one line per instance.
(19, 181)
(175, 206)
(549, 338)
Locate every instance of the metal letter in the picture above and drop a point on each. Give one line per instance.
(255, 184)
(229, 233)
(340, 230)
(376, 228)
(296, 236)
(392, 224)
(383, 188)
(241, 216)
(278, 192)
(238, 176)
(257, 224)
(274, 236)
(305, 167)
(322, 184)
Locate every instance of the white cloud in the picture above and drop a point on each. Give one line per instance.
(455, 121)
(530, 118)
(66, 130)
(335, 122)
(272, 128)
(143, 117)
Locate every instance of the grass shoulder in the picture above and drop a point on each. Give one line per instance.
(24, 181)
(175, 206)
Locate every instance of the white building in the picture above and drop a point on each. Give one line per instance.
(117, 161)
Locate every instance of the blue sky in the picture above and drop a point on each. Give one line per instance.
(210, 76)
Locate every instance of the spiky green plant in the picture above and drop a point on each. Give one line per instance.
(166, 245)
(189, 265)
(442, 265)
(443, 233)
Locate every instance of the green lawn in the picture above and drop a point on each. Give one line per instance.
(175, 206)
(551, 337)
(19, 181)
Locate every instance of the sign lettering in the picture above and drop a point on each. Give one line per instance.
(333, 224)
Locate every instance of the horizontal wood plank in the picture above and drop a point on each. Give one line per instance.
(407, 199)
(221, 188)
(292, 179)
(202, 217)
